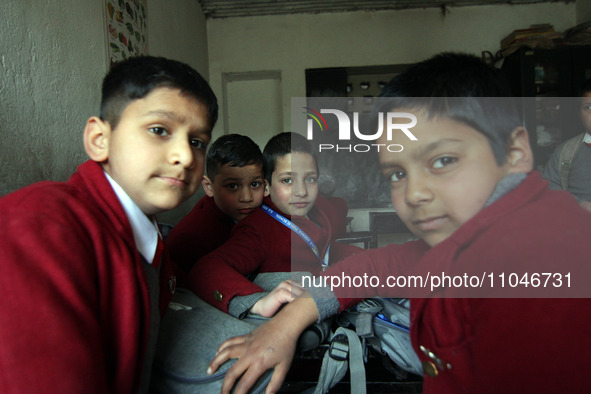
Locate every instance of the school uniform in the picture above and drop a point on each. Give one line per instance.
(201, 231)
(491, 345)
(259, 243)
(76, 314)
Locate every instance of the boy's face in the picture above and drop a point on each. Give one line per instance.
(294, 184)
(237, 191)
(157, 152)
(586, 111)
(441, 180)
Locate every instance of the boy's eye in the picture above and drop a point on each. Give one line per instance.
(159, 131)
(397, 176)
(255, 184)
(197, 144)
(311, 179)
(287, 181)
(444, 161)
(232, 186)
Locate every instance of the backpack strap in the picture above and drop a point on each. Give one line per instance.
(568, 152)
(344, 344)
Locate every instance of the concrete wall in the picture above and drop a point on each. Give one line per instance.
(52, 61)
(50, 80)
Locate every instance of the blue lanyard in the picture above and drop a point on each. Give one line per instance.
(294, 227)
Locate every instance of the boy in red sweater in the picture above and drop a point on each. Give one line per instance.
(466, 187)
(81, 272)
(264, 242)
(234, 188)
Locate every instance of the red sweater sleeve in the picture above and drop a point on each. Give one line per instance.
(199, 233)
(222, 274)
(365, 274)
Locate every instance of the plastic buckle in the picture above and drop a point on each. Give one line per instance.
(339, 348)
(364, 325)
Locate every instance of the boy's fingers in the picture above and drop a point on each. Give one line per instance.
(232, 342)
(294, 283)
(287, 295)
(293, 287)
(218, 360)
(297, 291)
(249, 378)
(225, 352)
(288, 284)
(231, 376)
(254, 370)
(277, 379)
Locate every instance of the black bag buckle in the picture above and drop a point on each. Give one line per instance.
(339, 348)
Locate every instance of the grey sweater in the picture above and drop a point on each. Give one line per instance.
(579, 179)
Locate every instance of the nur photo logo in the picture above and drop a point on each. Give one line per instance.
(389, 122)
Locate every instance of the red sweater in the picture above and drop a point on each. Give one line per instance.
(205, 228)
(259, 243)
(493, 345)
(75, 315)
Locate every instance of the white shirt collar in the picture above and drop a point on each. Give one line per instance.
(587, 138)
(145, 230)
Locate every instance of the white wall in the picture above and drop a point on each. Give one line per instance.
(52, 61)
(177, 30)
(298, 42)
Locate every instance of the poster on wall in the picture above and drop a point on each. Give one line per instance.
(127, 29)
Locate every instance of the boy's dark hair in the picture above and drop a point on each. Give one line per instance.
(138, 76)
(460, 87)
(283, 144)
(234, 150)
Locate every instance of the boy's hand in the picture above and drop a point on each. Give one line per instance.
(285, 292)
(586, 205)
(265, 348)
(271, 345)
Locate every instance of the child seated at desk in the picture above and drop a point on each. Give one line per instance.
(264, 240)
(234, 187)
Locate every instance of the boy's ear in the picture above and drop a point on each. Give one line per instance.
(207, 185)
(266, 188)
(96, 139)
(520, 157)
